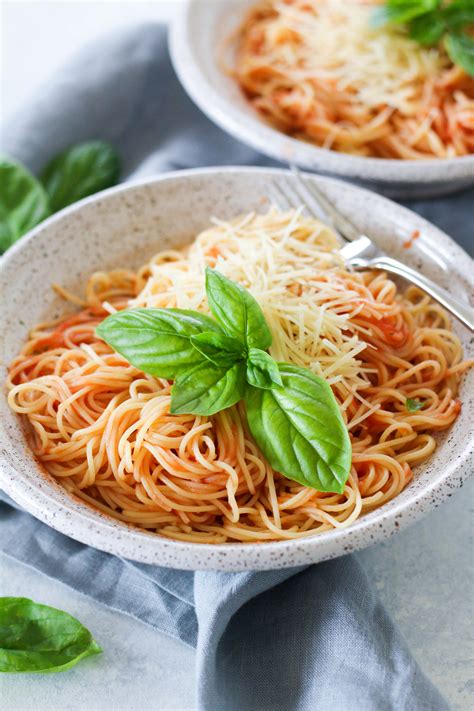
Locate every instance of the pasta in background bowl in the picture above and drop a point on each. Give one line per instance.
(126, 226)
(251, 83)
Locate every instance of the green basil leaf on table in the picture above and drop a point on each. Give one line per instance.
(236, 309)
(460, 48)
(23, 202)
(38, 638)
(427, 29)
(80, 171)
(262, 371)
(413, 405)
(218, 348)
(157, 341)
(300, 430)
(206, 389)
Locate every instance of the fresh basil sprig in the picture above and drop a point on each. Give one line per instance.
(432, 21)
(41, 639)
(25, 201)
(292, 413)
(220, 349)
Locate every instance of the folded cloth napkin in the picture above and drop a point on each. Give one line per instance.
(305, 638)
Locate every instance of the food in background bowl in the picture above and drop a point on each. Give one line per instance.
(103, 422)
(320, 71)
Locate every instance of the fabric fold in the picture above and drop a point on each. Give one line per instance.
(161, 597)
(318, 639)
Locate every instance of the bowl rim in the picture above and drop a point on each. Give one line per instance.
(261, 136)
(129, 542)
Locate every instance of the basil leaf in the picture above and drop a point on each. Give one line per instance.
(157, 341)
(459, 14)
(428, 29)
(38, 638)
(413, 405)
(262, 371)
(218, 348)
(300, 430)
(400, 11)
(80, 171)
(236, 309)
(206, 389)
(23, 202)
(460, 48)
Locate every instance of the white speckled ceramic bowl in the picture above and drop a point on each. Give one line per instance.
(126, 226)
(196, 41)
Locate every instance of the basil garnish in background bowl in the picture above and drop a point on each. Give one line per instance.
(25, 201)
(432, 21)
(217, 362)
(37, 638)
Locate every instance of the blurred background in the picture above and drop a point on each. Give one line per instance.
(37, 36)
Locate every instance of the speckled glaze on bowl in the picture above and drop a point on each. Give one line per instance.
(196, 41)
(126, 226)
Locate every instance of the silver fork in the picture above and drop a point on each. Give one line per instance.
(360, 252)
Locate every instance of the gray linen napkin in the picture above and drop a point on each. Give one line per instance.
(304, 638)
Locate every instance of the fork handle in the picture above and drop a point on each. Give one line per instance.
(460, 310)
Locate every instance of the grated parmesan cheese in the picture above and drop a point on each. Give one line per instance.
(335, 42)
(291, 265)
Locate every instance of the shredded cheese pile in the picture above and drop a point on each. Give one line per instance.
(290, 264)
(337, 43)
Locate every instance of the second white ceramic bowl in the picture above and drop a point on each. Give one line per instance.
(197, 36)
